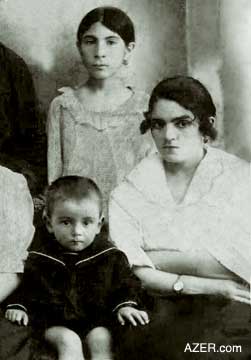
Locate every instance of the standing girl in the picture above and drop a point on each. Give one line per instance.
(93, 130)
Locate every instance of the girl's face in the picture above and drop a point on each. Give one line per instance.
(103, 51)
(176, 133)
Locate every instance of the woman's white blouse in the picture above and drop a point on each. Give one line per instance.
(214, 215)
(16, 221)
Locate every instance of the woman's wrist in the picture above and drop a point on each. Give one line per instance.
(202, 286)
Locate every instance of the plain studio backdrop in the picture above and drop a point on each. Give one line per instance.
(208, 39)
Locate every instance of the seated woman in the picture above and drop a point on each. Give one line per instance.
(16, 232)
(182, 218)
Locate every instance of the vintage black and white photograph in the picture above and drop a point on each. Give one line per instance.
(125, 180)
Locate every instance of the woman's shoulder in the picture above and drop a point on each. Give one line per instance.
(137, 178)
(10, 177)
(230, 162)
(13, 181)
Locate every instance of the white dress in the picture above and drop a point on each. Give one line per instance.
(16, 221)
(214, 216)
(104, 146)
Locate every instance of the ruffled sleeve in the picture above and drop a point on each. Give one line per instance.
(16, 219)
(54, 152)
(126, 233)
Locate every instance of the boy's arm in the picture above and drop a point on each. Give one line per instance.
(126, 286)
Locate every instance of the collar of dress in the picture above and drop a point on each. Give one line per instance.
(154, 186)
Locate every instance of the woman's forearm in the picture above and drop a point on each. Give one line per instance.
(199, 264)
(8, 283)
(162, 282)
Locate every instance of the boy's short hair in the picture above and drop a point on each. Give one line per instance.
(70, 187)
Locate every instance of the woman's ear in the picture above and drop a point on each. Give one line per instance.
(47, 221)
(212, 120)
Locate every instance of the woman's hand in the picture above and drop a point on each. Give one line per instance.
(230, 289)
(19, 316)
(134, 316)
(236, 291)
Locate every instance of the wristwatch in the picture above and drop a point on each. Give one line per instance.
(178, 286)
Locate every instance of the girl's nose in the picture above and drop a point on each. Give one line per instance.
(100, 50)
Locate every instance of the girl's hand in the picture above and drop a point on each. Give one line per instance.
(134, 316)
(19, 316)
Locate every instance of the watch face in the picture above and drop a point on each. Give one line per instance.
(178, 286)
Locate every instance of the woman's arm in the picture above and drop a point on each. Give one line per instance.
(198, 263)
(8, 283)
(162, 283)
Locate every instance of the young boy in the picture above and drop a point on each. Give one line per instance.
(76, 280)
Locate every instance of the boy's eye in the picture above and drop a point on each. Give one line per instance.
(65, 222)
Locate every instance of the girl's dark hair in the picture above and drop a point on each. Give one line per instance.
(112, 18)
(70, 187)
(189, 93)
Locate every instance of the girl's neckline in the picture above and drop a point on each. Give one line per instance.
(125, 104)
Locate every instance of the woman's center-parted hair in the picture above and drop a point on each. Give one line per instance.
(190, 94)
(71, 187)
(112, 18)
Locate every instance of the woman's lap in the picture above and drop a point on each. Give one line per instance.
(180, 323)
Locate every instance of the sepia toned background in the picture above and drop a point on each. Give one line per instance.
(208, 39)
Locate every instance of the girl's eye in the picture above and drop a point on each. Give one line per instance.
(111, 42)
(87, 222)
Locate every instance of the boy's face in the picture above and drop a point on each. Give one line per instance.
(75, 223)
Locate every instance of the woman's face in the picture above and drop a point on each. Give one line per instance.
(103, 51)
(176, 133)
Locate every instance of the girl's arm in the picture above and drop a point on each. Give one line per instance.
(54, 151)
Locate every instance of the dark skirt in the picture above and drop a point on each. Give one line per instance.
(194, 327)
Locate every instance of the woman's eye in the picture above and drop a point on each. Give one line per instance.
(88, 41)
(157, 124)
(86, 222)
(183, 123)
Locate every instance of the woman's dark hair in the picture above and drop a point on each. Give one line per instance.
(189, 93)
(112, 18)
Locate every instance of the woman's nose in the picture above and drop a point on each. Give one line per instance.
(170, 132)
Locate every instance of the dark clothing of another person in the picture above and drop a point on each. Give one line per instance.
(19, 127)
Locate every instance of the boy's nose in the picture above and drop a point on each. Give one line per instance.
(77, 229)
